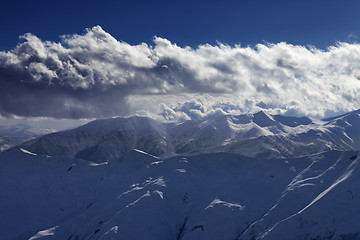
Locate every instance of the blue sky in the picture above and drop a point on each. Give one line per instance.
(316, 22)
(177, 60)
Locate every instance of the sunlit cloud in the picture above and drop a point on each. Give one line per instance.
(94, 75)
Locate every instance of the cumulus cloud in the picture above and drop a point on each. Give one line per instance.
(197, 109)
(93, 75)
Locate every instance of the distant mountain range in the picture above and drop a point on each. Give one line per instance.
(14, 135)
(257, 135)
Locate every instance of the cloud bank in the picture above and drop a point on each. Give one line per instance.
(198, 109)
(93, 75)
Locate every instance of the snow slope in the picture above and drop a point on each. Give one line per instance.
(255, 135)
(209, 196)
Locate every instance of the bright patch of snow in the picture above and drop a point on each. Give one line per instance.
(44, 233)
(217, 201)
(27, 152)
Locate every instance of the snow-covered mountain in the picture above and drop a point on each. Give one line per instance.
(258, 135)
(13, 135)
(253, 176)
(102, 140)
(211, 196)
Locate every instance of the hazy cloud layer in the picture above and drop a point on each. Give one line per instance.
(92, 75)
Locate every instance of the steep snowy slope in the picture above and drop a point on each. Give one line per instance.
(348, 127)
(213, 196)
(255, 135)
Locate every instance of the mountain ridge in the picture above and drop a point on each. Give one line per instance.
(253, 135)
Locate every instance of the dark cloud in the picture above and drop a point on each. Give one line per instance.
(93, 75)
(23, 94)
(87, 75)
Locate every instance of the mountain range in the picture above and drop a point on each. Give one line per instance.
(257, 135)
(245, 177)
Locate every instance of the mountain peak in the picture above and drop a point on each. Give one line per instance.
(263, 119)
(355, 112)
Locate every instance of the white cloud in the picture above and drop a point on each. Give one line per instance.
(197, 109)
(93, 75)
